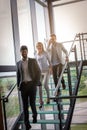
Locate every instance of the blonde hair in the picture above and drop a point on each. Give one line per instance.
(41, 44)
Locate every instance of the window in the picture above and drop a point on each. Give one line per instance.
(7, 56)
(40, 22)
(25, 27)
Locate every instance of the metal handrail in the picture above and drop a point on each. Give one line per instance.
(69, 97)
(9, 93)
(59, 81)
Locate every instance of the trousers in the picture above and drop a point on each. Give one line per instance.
(28, 94)
(57, 69)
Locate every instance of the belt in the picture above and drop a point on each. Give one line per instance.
(26, 82)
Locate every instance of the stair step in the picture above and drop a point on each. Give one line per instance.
(66, 82)
(45, 121)
(52, 95)
(50, 112)
(54, 103)
(53, 89)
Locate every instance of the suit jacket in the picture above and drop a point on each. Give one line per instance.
(59, 49)
(34, 72)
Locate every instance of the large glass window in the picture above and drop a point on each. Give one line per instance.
(25, 28)
(70, 19)
(7, 56)
(40, 22)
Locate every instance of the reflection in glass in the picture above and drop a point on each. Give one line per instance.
(6, 36)
(70, 20)
(6, 84)
(40, 22)
(25, 28)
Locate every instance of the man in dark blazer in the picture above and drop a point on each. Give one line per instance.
(28, 76)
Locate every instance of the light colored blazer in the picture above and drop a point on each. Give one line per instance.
(59, 48)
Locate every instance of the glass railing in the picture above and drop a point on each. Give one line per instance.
(10, 98)
(12, 108)
(79, 119)
(6, 82)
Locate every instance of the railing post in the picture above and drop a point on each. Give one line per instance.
(69, 81)
(80, 46)
(56, 117)
(59, 108)
(4, 113)
(76, 61)
(84, 53)
(1, 115)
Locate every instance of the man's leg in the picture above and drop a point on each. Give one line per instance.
(55, 76)
(62, 81)
(24, 96)
(33, 102)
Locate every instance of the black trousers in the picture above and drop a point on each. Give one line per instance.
(57, 69)
(28, 94)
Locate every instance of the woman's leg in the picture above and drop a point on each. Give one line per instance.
(45, 83)
(40, 93)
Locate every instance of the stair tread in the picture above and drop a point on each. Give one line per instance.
(51, 112)
(53, 89)
(53, 103)
(51, 121)
(52, 96)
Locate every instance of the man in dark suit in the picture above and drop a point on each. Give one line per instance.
(28, 76)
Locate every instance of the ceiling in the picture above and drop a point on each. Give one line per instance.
(64, 2)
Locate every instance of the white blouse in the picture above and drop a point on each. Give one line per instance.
(43, 61)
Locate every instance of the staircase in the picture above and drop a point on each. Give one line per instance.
(48, 115)
(58, 115)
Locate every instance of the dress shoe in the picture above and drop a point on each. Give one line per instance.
(41, 104)
(48, 101)
(63, 86)
(35, 119)
(28, 127)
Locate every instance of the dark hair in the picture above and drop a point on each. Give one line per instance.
(23, 47)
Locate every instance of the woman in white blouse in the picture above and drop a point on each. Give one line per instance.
(45, 66)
